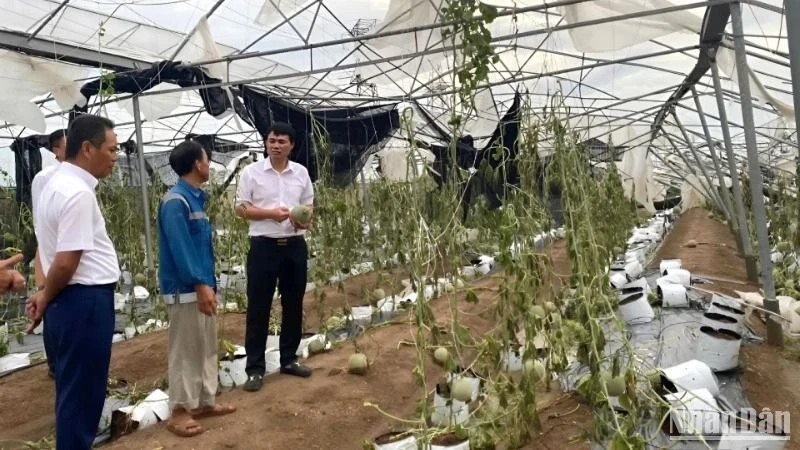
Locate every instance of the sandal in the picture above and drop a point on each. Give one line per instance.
(188, 428)
(216, 410)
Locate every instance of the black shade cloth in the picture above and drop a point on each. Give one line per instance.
(352, 134)
(215, 100)
(28, 162)
(505, 136)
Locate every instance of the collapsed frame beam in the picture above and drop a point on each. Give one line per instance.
(49, 49)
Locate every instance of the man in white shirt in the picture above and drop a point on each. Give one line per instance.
(58, 145)
(81, 271)
(278, 255)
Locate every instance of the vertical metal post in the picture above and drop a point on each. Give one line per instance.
(724, 193)
(792, 10)
(148, 236)
(744, 227)
(774, 328)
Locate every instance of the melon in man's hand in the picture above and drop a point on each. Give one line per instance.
(301, 214)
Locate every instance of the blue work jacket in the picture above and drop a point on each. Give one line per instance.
(186, 250)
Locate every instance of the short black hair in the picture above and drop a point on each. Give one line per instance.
(184, 155)
(280, 129)
(55, 136)
(86, 127)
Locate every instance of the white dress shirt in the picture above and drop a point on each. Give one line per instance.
(264, 187)
(66, 218)
(39, 182)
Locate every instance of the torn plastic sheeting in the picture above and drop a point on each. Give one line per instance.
(667, 341)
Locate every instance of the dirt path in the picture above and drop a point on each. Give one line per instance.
(769, 375)
(326, 411)
(142, 361)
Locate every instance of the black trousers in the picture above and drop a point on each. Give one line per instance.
(271, 262)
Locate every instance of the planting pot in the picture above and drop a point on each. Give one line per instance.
(750, 433)
(635, 309)
(637, 254)
(672, 295)
(395, 441)
(469, 375)
(626, 291)
(618, 278)
(679, 276)
(306, 339)
(361, 316)
(638, 283)
(388, 307)
(718, 348)
(140, 293)
(731, 311)
(633, 269)
(448, 411)
(449, 442)
(694, 412)
(690, 376)
(512, 360)
(273, 341)
(232, 369)
(272, 360)
(727, 301)
(721, 320)
(669, 264)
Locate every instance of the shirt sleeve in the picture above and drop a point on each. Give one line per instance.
(76, 223)
(174, 217)
(307, 197)
(36, 189)
(244, 191)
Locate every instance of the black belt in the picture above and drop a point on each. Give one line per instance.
(278, 240)
(108, 286)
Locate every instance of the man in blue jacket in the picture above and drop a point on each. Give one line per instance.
(188, 287)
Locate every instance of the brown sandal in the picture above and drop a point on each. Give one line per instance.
(216, 410)
(188, 428)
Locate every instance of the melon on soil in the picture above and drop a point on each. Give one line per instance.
(357, 364)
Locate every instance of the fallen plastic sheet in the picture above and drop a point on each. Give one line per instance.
(667, 341)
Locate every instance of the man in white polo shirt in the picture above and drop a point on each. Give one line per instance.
(278, 255)
(81, 270)
(58, 145)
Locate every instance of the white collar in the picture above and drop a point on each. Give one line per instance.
(87, 178)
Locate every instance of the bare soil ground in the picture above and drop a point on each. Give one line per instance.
(327, 411)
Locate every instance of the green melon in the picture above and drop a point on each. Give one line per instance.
(614, 385)
(441, 355)
(461, 390)
(358, 364)
(316, 346)
(301, 214)
(139, 278)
